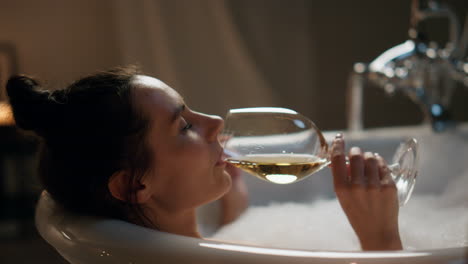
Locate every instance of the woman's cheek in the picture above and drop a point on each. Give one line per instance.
(194, 148)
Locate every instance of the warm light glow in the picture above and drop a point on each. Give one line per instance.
(6, 115)
(281, 178)
(315, 254)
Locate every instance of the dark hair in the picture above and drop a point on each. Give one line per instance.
(88, 131)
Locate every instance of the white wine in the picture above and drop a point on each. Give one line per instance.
(279, 168)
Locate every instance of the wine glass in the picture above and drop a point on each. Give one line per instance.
(281, 146)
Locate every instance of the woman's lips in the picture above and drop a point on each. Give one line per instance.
(220, 163)
(222, 159)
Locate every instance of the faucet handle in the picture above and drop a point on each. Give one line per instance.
(422, 10)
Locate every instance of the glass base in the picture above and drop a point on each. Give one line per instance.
(405, 169)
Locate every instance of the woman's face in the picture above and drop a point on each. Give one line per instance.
(187, 169)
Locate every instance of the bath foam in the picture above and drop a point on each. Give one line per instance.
(426, 222)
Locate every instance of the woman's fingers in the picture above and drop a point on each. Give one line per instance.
(384, 171)
(364, 169)
(367, 170)
(338, 159)
(370, 206)
(371, 170)
(356, 164)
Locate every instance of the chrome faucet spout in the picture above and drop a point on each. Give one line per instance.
(423, 71)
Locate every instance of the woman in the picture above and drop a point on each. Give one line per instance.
(117, 144)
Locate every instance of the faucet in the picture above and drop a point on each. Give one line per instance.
(421, 69)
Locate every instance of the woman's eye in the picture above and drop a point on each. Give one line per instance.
(187, 127)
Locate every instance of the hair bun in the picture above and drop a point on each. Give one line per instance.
(26, 101)
(20, 85)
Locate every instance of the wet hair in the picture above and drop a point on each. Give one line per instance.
(88, 131)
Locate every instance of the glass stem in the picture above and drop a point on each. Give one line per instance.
(394, 167)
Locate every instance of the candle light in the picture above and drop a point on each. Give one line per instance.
(6, 115)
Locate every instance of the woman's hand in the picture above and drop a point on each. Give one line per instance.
(236, 200)
(367, 195)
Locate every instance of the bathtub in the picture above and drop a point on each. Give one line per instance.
(82, 239)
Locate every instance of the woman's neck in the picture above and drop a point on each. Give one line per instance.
(182, 222)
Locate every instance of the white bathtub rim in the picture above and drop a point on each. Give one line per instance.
(78, 234)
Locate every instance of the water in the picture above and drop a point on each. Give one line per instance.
(426, 222)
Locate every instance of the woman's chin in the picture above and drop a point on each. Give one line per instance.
(226, 181)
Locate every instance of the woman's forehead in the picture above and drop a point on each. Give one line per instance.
(148, 81)
(155, 97)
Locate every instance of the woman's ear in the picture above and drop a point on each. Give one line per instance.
(119, 187)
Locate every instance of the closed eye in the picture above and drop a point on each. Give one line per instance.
(187, 127)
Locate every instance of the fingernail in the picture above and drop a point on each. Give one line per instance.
(355, 151)
(376, 154)
(339, 135)
(337, 147)
(369, 155)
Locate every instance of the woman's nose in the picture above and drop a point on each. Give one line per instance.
(215, 126)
